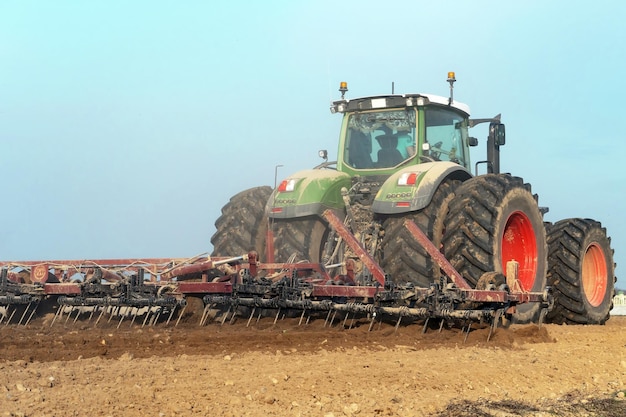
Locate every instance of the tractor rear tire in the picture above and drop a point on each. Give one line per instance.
(300, 239)
(581, 272)
(242, 226)
(405, 259)
(494, 219)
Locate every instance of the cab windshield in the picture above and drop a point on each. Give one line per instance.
(380, 139)
(446, 132)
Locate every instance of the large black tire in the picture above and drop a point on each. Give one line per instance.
(403, 258)
(242, 226)
(301, 239)
(581, 272)
(494, 219)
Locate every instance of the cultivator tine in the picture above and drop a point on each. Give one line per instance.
(155, 319)
(226, 315)
(327, 317)
(93, 311)
(57, 314)
(301, 317)
(24, 313)
(469, 327)
(398, 323)
(425, 325)
(10, 316)
(145, 319)
(251, 315)
(372, 322)
(77, 314)
(132, 321)
(100, 316)
(232, 318)
(121, 320)
(180, 315)
(32, 313)
(69, 315)
(169, 318)
(277, 314)
(345, 319)
(494, 324)
(205, 314)
(441, 325)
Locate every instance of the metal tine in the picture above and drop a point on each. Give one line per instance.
(24, 313)
(259, 316)
(155, 318)
(441, 325)
(277, 314)
(469, 327)
(425, 325)
(494, 324)
(542, 316)
(69, 315)
(308, 318)
(132, 321)
(225, 315)
(205, 314)
(352, 321)
(57, 314)
(251, 315)
(372, 322)
(302, 316)
(32, 313)
(145, 319)
(113, 312)
(100, 316)
(180, 315)
(327, 317)
(398, 323)
(121, 320)
(11, 316)
(95, 309)
(232, 318)
(4, 315)
(169, 318)
(345, 319)
(77, 314)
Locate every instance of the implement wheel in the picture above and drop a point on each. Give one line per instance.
(243, 224)
(494, 219)
(581, 272)
(404, 259)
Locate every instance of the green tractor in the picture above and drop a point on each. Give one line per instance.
(408, 157)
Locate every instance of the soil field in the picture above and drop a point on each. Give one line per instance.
(311, 370)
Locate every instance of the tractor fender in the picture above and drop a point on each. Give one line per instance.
(314, 190)
(398, 196)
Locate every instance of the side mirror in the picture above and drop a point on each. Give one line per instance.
(497, 132)
(471, 141)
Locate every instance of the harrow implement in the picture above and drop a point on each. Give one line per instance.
(157, 289)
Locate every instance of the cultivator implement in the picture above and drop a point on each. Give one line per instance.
(156, 290)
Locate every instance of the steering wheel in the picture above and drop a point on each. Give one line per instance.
(425, 158)
(436, 151)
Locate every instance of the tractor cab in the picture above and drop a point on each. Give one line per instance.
(382, 134)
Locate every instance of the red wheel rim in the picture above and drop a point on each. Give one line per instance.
(519, 243)
(594, 275)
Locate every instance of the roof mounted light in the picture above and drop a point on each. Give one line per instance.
(451, 80)
(343, 88)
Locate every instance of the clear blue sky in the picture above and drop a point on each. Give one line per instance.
(125, 126)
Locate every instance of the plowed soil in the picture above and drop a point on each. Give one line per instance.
(284, 369)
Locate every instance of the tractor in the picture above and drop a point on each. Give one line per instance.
(408, 157)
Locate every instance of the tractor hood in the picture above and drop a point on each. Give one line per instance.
(412, 188)
(308, 192)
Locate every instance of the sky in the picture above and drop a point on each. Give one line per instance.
(126, 126)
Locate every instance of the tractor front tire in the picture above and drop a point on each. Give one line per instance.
(242, 226)
(495, 219)
(581, 271)
(403, 257)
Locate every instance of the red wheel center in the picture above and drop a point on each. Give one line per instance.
(519, 243)
(594, 275)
